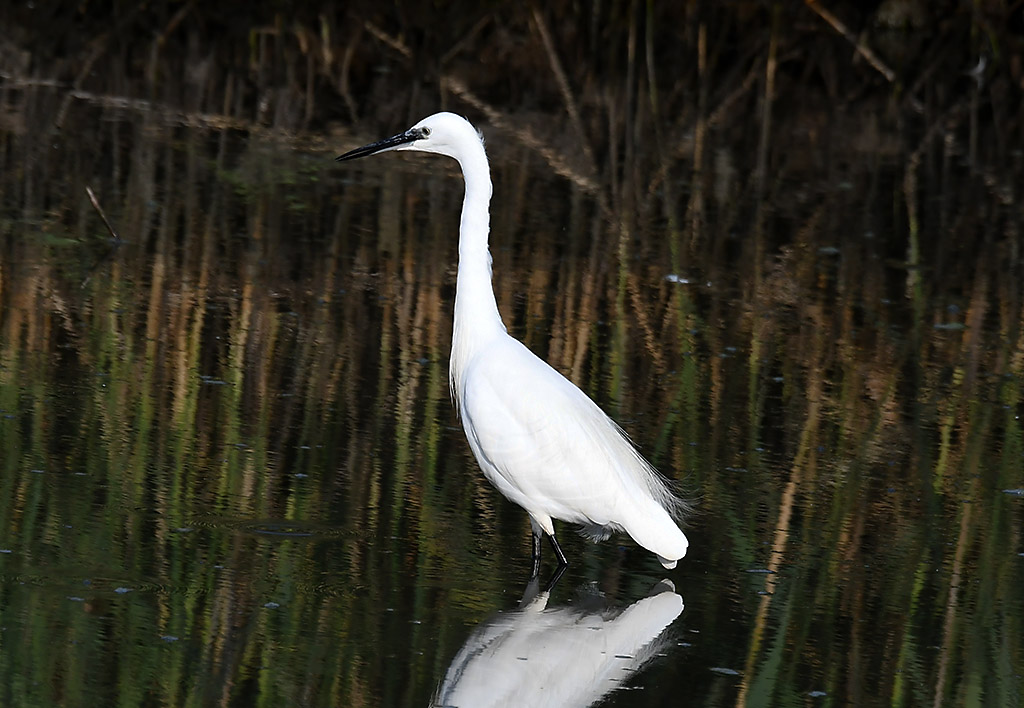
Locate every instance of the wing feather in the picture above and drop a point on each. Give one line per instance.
(547, 446)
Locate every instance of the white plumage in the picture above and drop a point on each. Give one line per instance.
(543, 656)
(538, 438)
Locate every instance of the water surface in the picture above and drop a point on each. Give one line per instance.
(231, 473)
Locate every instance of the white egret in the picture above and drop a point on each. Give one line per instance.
(538, 438)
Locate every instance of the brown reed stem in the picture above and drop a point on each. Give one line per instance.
(862, 49)
(99, 210)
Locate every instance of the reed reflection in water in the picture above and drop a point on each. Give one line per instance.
(231, 473)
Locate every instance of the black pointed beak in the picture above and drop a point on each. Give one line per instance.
(395, 141)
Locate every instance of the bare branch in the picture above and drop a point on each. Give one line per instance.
(862, 49)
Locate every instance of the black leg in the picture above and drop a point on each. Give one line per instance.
(532, 586)
(555, 576)
(562, 562)
(535, 557)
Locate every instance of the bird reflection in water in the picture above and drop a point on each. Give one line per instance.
(562, 656)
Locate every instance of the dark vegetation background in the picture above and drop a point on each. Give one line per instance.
(779, 241)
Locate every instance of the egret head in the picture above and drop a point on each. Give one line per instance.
(441, 133)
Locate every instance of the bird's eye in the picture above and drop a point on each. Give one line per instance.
(424, 132)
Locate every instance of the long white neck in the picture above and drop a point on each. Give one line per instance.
(476, 311)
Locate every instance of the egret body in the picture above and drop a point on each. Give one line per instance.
(538, 438)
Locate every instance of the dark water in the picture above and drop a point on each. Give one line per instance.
(231, 473)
